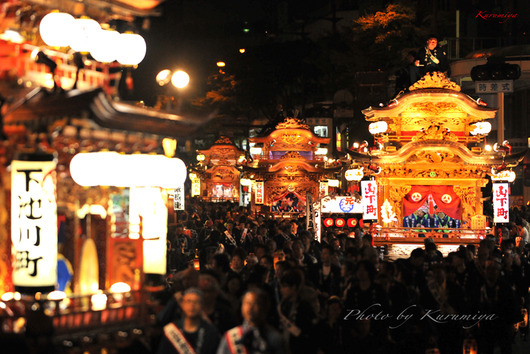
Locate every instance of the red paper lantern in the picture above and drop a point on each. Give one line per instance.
(340, 222)
(352, 222)
(328, 222)
(361, 223)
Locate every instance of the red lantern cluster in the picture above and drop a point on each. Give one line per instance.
(340, 222)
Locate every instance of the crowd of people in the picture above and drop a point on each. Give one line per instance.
(265, 285)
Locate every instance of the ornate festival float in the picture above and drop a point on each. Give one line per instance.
(287, 166)
(216, 176)
(428, 166)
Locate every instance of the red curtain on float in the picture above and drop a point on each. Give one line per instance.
(444, 196)
(299, 196)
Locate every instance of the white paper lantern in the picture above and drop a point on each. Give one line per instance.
(83, 31)
(56, 29)
(105, 46)
(132, 49)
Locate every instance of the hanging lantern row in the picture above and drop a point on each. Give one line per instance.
(340, 222)
(85, 35)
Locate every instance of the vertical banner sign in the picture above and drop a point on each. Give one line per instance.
(310, 212)
(323, 189)
(34, 223)
(195, 187)
(501, 203)
(259, 192)
(318, 220)
(178, 198)
(369, 193)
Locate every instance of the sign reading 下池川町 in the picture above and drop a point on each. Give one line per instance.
(34, 223)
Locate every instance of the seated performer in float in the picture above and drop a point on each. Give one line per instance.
(421, 219)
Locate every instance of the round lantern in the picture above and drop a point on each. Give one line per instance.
(132, 49)
(104, 47)
(56, 29)
(480, 128)
(328, 222)
(354, 174)
(352, 222)
(340, 222)
(378, 127)
(83, 30)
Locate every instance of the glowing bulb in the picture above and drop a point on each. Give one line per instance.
(180, 79)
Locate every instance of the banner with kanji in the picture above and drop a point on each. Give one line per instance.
(501, 202)
(369, 202)
(259, 192)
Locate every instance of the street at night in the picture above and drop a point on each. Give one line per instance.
(318, 176)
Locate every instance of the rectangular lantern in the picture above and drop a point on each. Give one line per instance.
(34, 224)
(369, 202)
(148, 205)
(501, 202)
(195, 187)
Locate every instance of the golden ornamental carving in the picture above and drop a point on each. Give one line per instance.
(292, 155)
(468, 198)
(292, 139)
(395, 172)
(407, 172)
(223, 140)
(435, 156)
(292, 169)
(224, 174)
(440, 110)
(435, 80)
(430, 174)
(290, 123)
(395, 198)
(435, 132)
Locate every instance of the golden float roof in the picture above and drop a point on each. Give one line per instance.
(434, 100)
(291, 134)
(223, 145)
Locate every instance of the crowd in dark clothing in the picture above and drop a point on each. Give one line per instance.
(341, 295)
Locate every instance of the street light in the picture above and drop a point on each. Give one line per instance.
(179, 79)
